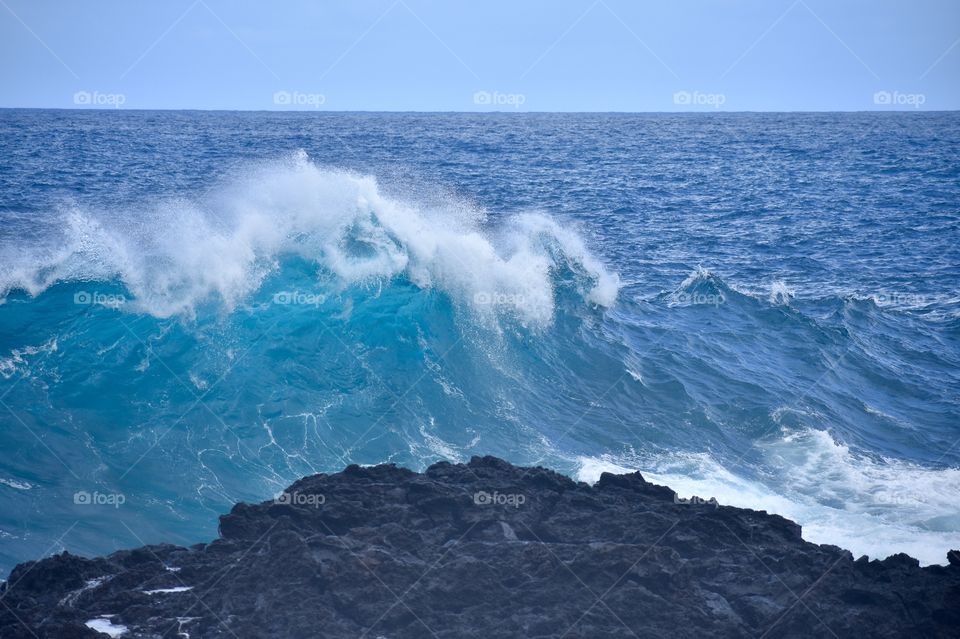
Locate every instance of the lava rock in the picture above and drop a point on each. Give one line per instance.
(485, 549)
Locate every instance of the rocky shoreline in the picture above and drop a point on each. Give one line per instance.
(484, 549)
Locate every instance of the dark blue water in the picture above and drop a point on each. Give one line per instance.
(199, 308)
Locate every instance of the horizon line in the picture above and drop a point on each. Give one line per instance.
(489, 112)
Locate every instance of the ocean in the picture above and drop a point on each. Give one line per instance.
(201, 307)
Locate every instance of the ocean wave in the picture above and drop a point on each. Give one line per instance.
(173, 256)
(705, 286)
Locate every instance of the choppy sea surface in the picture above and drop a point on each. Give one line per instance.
(200, 307)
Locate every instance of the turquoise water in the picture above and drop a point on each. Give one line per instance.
(199, 308)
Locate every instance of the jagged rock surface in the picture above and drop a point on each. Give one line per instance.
(390, 553)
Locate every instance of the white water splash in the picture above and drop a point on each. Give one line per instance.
(877, 507)
(179, 253)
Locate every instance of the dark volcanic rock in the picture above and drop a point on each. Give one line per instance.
(486, 550)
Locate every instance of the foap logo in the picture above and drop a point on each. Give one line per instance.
(97, 99)
(483, 498)
(900, 298)
(496, 98)
(696, 501)
(497, 299)
(299, 99)
(313, 500)
(299, 298)
(896, 98)
(699, 99)
(709, 299)
(897, 498)
(86, 298)
(85, 498)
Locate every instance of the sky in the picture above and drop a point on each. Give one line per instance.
(464, 55)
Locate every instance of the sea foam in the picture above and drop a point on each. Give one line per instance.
(872, 506)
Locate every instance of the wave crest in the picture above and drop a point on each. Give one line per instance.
(179, 253)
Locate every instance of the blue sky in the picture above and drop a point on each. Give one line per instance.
(453, 55)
